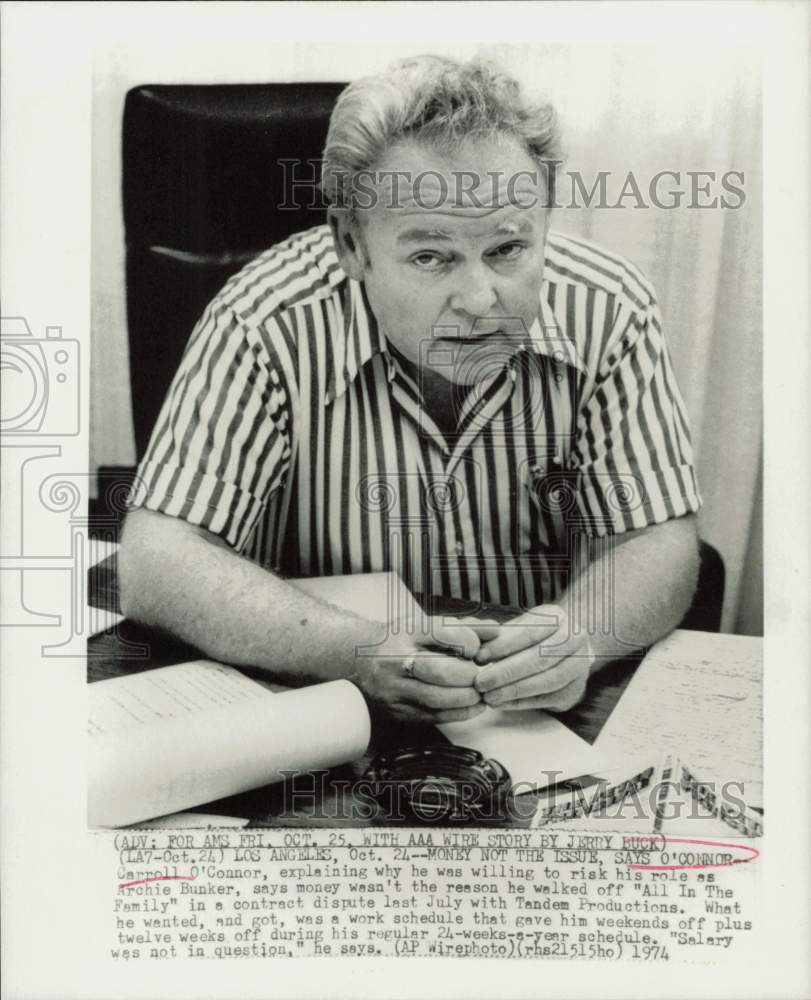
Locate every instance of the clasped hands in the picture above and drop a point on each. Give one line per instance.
(460, 666)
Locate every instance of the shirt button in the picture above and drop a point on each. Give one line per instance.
(459, 548)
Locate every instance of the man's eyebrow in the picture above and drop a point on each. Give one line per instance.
(419, 235)
(513, 228)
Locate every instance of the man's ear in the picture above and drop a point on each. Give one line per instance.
(348, 242)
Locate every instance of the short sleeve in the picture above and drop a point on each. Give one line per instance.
(633, 453)
(221, 446)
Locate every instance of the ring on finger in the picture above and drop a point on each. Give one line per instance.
(408, 665)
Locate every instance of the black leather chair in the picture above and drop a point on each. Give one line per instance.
(203, 186)
(203, 190)
(708, 601)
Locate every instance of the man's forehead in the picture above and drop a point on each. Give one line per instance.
(474, 181)
(417, 226)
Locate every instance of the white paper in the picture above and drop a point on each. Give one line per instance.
(699, 697)
(535, 748)
(378, 597)
(627, 802)
(167, 739)
(192, 821)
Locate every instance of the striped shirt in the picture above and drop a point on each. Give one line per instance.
(292, 432)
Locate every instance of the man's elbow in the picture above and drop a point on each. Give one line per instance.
(687, 560)
(139, 568)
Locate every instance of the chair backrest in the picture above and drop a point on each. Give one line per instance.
(206, 186)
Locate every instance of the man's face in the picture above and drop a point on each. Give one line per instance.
(455, 287)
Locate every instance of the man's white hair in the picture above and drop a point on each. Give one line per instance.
(436, 100)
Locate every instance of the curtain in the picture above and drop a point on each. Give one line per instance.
(641, 110)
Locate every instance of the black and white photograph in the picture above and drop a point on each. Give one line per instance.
(392, 533)
(444, 401)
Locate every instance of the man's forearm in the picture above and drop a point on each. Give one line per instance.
(637, 590)
(174, 577)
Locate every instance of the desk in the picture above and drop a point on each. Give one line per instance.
(130, 647)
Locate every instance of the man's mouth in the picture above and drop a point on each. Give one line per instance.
(476, 338)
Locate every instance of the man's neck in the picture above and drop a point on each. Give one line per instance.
(440, 397)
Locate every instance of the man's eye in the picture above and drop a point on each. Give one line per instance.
(427, 261)
(509, 251)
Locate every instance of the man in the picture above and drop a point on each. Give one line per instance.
(435, 384)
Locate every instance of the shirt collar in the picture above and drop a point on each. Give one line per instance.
(363, 339)
(551, 340)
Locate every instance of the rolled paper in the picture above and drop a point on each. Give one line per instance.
(164, 740)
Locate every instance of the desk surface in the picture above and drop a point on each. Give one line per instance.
(128, 648)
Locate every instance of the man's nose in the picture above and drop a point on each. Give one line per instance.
(475, 294)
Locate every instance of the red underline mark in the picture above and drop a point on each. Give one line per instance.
(157, 878)
(753, 853)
